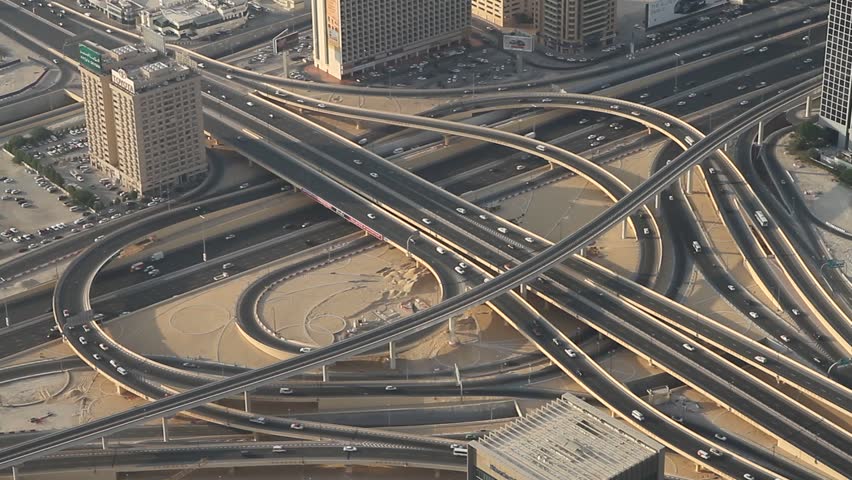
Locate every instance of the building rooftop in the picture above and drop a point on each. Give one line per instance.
(568, 435)
(137, 79)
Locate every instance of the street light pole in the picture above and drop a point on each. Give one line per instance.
(677, 69)
(203, 239)
(409, 241)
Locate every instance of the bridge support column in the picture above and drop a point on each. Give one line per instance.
(807, 106)
(165, 423)
(103, 443)
(325, 373)
(120, 390)
(688, 188)
(657, 201)
(14, 473)
(650, 131)
(760, 132)
(446, 140)
(392, 354)
(452, 325)
(247, 401)
(624, 229)
(524, 288)
(582, 251)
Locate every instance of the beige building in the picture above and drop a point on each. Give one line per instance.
(568, 25)
(144, 117)
(504, 13)
(566, 439)
(355, 35)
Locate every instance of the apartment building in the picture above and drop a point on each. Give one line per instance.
(504, 13)
(836, 103)
(195, 18)
(355, 35)
(566, 26)
(144, 117)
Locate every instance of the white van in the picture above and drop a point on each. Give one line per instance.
(637, 415)
(460, 451)
(696, 246)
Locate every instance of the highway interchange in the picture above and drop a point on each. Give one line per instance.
(326, 168)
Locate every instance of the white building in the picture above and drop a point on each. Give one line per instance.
(836, 103)
(195, 18)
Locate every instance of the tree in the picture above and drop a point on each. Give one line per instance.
(15, 143)
(39, 134)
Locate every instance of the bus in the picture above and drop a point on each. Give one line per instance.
(761, 218)
(748, 50)
(688, 140)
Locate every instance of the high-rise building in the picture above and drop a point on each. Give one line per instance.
(569, 25)
(354, 35)
(144, 119)
(567, 438)
(504, 13)
(836, 102)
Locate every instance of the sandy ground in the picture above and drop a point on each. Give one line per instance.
(72, 398)
(347, 297)
(15, 77)
(831, 204)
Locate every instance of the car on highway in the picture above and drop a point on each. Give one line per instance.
(374, 174)
(785, 338)
(748, 476)
(258, 420)
(753, 314)
(297, 426)
(743, 103)
(66, 313)
(358, 161)
(121, 371)
(371, 216)
(502, 230)
(278, 449)
(760, 358)
(221, 276)
(716, 452)
(584, 121)
(244, 185)
(461, 210)
(305, 350)
(440, 250)
(703, 454)
(97, 356)
(720, 437)
(226, 266)
(459, 270)
(390, 388)
(571, 353)
(83, 341)
(541, 148)
(681, 103)
(688, 347)
(103, 347)
(732, 288)
(350, 449)
(230, 236)
(426, 221)
(285, 390)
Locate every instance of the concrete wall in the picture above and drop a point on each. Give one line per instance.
(34, 106)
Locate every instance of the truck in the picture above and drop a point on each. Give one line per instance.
(761, 218)
(157, 256)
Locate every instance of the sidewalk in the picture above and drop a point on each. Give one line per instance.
(825, 196)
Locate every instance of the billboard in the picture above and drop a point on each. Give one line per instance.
(664, 11)
(332, 18)
(91, 59)
(517, 43)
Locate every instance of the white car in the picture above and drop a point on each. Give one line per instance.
(258, 420)
(390, 388)
(529, 240)
(250, 104)
(688, 347)
(760, 358)
(121, 371)
(459, 270)
(461, 210)
(221, 276)
(350, 449)
(502, 230)
(374, 174)
(541, 148)
(785, 338)
(304, 349)
(570, 353)
(358, 161)
(732, 288)
(753, 314)
(440, 250)
(371, 216)
(285, 390)
(426, 221)
(321, 105)
(297, 426)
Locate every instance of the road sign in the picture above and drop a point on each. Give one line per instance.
(343, 214)
(835, 263)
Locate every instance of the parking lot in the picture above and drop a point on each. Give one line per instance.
(36, 211)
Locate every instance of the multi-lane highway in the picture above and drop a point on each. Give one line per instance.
(523, 273)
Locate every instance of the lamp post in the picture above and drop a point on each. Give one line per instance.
(677, 69)
(409, 241)
(203, 238)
